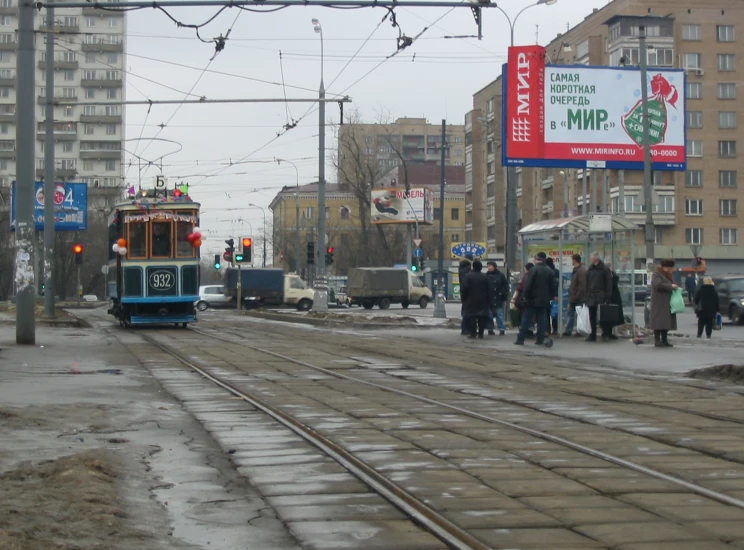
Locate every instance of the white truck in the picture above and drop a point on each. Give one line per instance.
(382, 286)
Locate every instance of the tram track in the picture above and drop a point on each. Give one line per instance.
(564, 442)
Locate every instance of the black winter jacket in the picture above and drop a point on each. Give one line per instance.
(707, 296)
(475, 290)
(541, 287)
(598, 285)
(499, 287)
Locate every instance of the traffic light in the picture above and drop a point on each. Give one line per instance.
(217, 262)
(246, 252)
(329, 255)
(310, 253)
(230, 250)
(78, 250)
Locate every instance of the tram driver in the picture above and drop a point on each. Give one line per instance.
(161, 239)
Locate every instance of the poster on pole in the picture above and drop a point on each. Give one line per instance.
(70, 206)
(579, 116)
(397, 206)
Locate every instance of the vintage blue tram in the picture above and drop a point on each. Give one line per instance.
(153, 270)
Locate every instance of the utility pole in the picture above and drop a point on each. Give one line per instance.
(321, 288)
(647, 189)
(440, 312)
(25, 180)
(49, 180)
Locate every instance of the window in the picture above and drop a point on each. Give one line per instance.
(582, 49)
(455, 214)
(183, 246)
(89, 75)
(67, 147)
(658, 236)
(112, 75)
(691, 32)
(89, 129)
(630, 203)
(661, 57)
(491, 147)
(69, 21)
(6, 74)
(161, 239)
(694, 235)
(666, 204)
(88, 165)
(727, 90)
(692, 61)
(112, 58)
(694, 148)
(7, 38)
(69, 92)
(694, 178)
(308, 213)
(90, 93)
(727, 119)
(489, 106)
(110, 129)
(67, 164)
(727, 178)
(4, 91)
(3, 128)
(694, 119)
(5, 21)
(729, 236)
(694, 207)
(694, 90)
(727, 149)
(455, 238)
(112, 110)
(69, 75)
(345, 213)
(491, 168)
(3, 164)
(113, 22)
(726, 62)
(110, 165)
(69, 57)
(725, 33)
(728, 207)
(137, 240)
(91, 21)
(89, 110)
(6, 4)
(4, 57)
(90, 57)
(437, 213)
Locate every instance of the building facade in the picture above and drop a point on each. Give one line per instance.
(357, 242)
(88, 67)
(692, 210)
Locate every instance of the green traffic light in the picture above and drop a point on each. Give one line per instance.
(238, 257)
(414, 268)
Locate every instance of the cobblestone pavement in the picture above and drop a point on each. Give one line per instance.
(508, 488)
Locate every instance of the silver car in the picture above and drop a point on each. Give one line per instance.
(212, 296)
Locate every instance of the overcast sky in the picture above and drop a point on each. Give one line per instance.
(438, 83)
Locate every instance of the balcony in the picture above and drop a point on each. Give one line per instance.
(101, 119)
(8, 117)
(58, 173)
(103, 47)
(101, 83)
(59, 135)
(9, 46)
(13, 10)
(547, 183)
(660, 217)
(547, 208)
(103, 154)
(61, 28)
(61, 65)
(57, 100)
(7, 154)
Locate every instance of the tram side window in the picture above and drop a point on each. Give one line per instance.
(113, 236)
(161, 239)
(185, 249)
(137, 241)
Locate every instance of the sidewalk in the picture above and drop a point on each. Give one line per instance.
(96, 455)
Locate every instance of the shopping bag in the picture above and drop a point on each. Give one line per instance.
(554, 309)
(609, 314)
(583, 325)
(677, 302)
(718, 324)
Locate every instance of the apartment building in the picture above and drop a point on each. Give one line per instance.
(694, 210)
(381, 148)
(88, 67)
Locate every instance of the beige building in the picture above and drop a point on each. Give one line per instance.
(698, 207)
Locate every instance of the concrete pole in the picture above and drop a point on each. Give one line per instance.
(647, 189)
(594, 192)
(621, 191)
(321, 288)
(583, 192)
(440, 312)
(605, 189)
(25, 180)
(409, 244)
(49, 180)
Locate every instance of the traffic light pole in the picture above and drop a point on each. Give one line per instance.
(440, 311)
(78, 289)
(239, 287)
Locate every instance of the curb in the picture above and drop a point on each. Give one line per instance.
(332, 322)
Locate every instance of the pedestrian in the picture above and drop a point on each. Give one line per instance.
(598, 292)
(662, 319)
(576, 292)
(499, 292)
(615, 299)
(477, 298)
(553, 320)
(518, 302)
(466, 266)
(540, 288)
(706, 307)
(691, 287)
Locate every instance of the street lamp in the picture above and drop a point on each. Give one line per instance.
(321, 289)
(297, 213)
(511, 172)
(565, 193)
(263, 211)
(647, 189)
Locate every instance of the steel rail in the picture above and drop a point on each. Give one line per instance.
(703, 491)
(436, 524)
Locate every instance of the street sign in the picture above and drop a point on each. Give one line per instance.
(418, 242)
(418, 252)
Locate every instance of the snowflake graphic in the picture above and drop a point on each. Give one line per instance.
(521, 130)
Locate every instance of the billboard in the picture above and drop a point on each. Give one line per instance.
(461, 250)
(393, 206)
(579, 116)
(70, 206)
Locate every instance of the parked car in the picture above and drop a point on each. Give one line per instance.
(212, 296)
(731, 296)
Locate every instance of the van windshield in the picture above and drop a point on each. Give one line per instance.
(736, 285)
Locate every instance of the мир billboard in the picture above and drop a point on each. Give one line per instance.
(579, 116)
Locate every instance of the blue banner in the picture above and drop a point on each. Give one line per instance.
(70, 206)
(460, 250)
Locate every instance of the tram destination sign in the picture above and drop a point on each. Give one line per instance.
(578, 116)
(70, 206)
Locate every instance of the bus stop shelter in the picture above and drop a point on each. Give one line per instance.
(612, 236)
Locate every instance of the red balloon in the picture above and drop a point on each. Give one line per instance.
(197, 235)
(191, 237)
(197, 243)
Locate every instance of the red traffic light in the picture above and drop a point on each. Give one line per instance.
(247, 242)
(77, 249)
(330, 250)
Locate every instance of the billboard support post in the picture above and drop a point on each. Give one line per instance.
(440, 311)
(49, 181)
(647, 190)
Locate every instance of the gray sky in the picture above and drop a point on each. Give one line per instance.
(437, 84)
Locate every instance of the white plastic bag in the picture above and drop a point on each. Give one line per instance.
(583, 325)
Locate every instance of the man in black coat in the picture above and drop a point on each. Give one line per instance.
(477, 298)
(598, 292)
(499, 291)
(540, 289)
(466, 266)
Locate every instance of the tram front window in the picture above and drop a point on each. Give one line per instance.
(161, 239)
(185, 248)
(137, 242)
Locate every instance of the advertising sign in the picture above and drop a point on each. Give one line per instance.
(578, 116)
(460, 250)
(393, 206)
(70, 206)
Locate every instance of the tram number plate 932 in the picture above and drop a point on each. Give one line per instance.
(162, 280)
